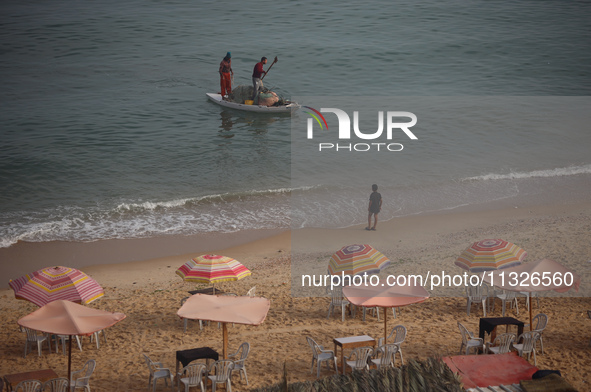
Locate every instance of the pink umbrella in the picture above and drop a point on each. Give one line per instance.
(541, 275)
(68, 318)
(385, 296)
(226, 309)
(53, 283)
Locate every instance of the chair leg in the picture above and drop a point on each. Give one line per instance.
(468, 307)
(245, 375)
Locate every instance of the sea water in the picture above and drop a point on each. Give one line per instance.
(106, 132)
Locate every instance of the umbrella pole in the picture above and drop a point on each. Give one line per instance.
(225, 335)
(530, 318)
(69, 358)
(385, 325)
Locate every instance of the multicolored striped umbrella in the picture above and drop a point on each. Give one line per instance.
(55, 283)
(212, 269)
(357, 259)
(488, 255)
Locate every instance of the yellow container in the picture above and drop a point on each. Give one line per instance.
(248, 102)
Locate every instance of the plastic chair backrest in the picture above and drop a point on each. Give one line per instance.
(244, 348)
(150, 364)
(337, 296)
(528, 341)
(361, 354)
(222, 369)
(56, 385)
(194, 372)
(477, 293)
(539, 322)
(504, 342)
(28, 386)
(252, 291)
(399, 333)
(466, 335)
(89, 366)
(314, 346)
(31, 334)
(389, 350)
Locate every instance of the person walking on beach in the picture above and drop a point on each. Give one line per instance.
(226, 75)
(375, 205)
(257, 73)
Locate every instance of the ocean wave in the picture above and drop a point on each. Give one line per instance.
(207, 199)
(558, 172)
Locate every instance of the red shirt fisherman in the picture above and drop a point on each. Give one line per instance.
(226, 74)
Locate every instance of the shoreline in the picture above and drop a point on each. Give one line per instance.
(393, 236)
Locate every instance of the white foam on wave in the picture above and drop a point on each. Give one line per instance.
(558, 172)
(153, 205)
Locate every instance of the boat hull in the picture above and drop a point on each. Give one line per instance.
(217, 98)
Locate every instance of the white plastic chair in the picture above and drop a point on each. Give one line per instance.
(477, 294)
(241, 354)
(86, 372)
(96, 336)
(28, 386)
(527, 345)
(502, 344)
(399, 334)
(157, 371)
(539, 323)
(359, 358)
(506, 296)
(252, 291)
(388, 352)
(63, 339)
(319, 354)
(220, 372)
(336, 301)
(56, 385)
(192, 376)
(469, 341)
(34, 337)
(185, 320)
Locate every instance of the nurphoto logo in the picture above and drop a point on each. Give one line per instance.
(393, 123)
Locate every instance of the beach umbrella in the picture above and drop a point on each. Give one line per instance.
(68, 318)
(537, 276)
(386, 296)
(56, 283)
(356, 260)
(212, 269)
(226, 309)
(490, 254)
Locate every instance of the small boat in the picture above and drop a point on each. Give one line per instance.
(288, 107)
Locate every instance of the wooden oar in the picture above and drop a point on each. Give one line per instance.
(268, 69)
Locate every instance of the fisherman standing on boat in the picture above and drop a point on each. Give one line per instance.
(257, 83)
(226, 74)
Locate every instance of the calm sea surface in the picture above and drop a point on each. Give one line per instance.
(105, 130)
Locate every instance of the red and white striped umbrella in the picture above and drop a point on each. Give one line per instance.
(357, 259)
(56, 283)
(488, 255)
(212, 269)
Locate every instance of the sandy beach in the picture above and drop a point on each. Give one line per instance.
(149, 292)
